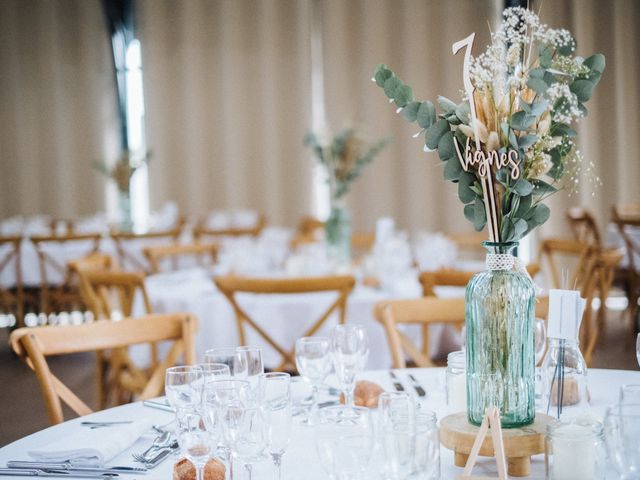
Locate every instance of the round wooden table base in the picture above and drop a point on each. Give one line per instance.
(457, 434)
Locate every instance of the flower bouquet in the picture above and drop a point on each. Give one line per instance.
(343, 159)
(508, 145)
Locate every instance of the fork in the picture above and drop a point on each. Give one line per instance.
(161, 441)
(161, 455)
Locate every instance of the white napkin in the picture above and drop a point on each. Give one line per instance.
(92, 446)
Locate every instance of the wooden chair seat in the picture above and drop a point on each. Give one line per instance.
(232, 285)
(34, 345)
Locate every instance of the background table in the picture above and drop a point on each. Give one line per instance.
(301, 460)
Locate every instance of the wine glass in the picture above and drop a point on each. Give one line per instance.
(183, 386)
(194, 438)
(276, 401)
(350, 351)
(248, 363)
(225, 355)
(213, 371)
(344, 440)
(228, 398)
(313, 361)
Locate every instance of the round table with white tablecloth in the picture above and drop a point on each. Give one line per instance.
(301, 460)
(285, 317)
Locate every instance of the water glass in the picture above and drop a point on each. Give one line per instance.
(183, 386)
(426, 459)
(344, 440)
(276, 404)
(194, 438)
(350, 348)
(225, 355)
(622, 436)
(213, 371)
(247, 433)
(313, 361)
(540, 339)
(248, 364)
(397, 432)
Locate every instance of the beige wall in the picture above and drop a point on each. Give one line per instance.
(228, 100)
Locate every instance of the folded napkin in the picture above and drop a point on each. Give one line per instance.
(88, 446)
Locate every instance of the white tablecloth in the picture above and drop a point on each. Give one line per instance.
(284, 317)
(301, 460)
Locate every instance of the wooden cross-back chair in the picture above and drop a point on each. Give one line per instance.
(66, 294)
(593, 274)
(627, 217)
(231, 285)
(469, 244)
(201, 231)
(423, 312)
(61, 226)
(35, 344)
(12, 296)
(584, 227)
(105, 293)
(201, 252)
(130, 246)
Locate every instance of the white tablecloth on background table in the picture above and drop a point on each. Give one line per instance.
(284, 317)
(301, 460)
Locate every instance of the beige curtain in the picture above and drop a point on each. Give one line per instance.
(57, 106)
(610, 135)
(414, 38)
(227, 87)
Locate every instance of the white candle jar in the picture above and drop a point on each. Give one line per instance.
(456, 381)
(575, 450)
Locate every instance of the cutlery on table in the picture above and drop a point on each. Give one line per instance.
(161, 441)
(68, 466)
(36, 472)
(104, 424)
(396, 382)
(158, 405)
(416, 385)
(161, 455)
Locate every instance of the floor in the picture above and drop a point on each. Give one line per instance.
(23, 408)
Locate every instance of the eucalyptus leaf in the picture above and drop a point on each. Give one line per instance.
(469, 212)
(513, 141)
(538, 108)
(452, 170)
(526, 141)
(403, 95)
(522, 120)
(546, 56)
(435, 132)
(583, 89)
(536, 73)
(465, 184)
(540, 187)
(523, 207)
(446, 105)
(522, 187)
(479, 215)
(446, 150)
(463, 112)
(558, 166)
(541, 213)
(381, 74)
(391, 85)
(538, 85)
(410, 112)
(501, 176)
(426, 114)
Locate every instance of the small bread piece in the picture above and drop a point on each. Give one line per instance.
(185, 470)
(365, 394)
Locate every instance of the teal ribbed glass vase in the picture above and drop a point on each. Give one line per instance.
(338, 234)
(500, 310)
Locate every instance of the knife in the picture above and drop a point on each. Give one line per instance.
(74, 468)
(418, 388)
(158, 405)
(396, 384)
(35, 472)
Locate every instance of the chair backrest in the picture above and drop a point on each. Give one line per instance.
(63, 294)
(10, 255)
(627, 217)
(33, 345)
(423, 312)
(130, 246)
(102, 288)
(200, 252)
(201, 231)
(577, 257)
(469, 244)
(231, 285)
(584, 227)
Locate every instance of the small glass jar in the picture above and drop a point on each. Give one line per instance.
(575, 449)
(426, 459)
(456, 381)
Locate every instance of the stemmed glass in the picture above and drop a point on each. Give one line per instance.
(276, 402)
(313, 361)
(344, 440)
(183, 386)
(213, 371)
(540, 339)
(225, 355)
(194, 437)
(350, 351)
(228, 398)
(248, 364)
